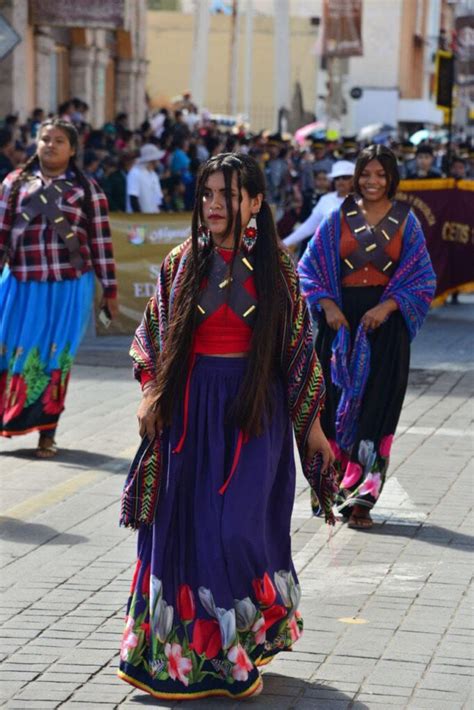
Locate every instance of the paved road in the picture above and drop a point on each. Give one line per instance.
(388, 619)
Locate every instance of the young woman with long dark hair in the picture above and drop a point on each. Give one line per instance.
(54, 232)
(368, 278)
(225, 358)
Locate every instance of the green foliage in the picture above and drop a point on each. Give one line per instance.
(35, 377)
(65, 363)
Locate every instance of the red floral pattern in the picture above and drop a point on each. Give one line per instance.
(55, 393)
(207, 638)
(264, 590)
(14, 398)
(185, 603)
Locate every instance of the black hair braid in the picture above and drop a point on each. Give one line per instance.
(170, 383)
(181, 331)
(17, 183)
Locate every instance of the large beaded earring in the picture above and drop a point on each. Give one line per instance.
(204, 237)
(250, 234)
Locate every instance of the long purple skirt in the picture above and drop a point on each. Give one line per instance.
(215, 594)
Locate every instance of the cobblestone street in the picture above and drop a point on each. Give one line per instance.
(388, 618)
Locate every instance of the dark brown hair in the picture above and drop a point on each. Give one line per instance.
(387, 160)
(71, 133)
(254, 400)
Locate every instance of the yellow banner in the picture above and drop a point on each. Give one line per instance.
(141, 242)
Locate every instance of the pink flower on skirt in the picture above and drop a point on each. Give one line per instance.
(259, 630)
(385, 446)
(178, 667)
(129, 640)
(372, 485)
(242, 663)
(352, 475)
(294, 630)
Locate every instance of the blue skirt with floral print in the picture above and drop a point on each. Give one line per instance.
(41, 327)
(215, 594)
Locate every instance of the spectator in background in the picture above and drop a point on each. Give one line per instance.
(124, 142)
(458, 169)
(65, 111)
(37, 118)
(12, 124)
(181, 176)
(277, 175)
(7, 147)
(342, 175)
(144, 192)
(91, 162)
(97, 141)
(107, 167)
(79, 112)
(180, 128)
(115, 185)
(323, 160)
(424, 164)
(121, 122)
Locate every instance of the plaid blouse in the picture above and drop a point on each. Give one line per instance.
(38, 254)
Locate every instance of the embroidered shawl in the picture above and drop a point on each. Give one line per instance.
(299, 364)
(412, 286)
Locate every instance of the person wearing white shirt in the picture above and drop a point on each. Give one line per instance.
(144, 193)
(342, 175)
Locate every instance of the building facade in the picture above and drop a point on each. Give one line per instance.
(262, 67)
(94, 50)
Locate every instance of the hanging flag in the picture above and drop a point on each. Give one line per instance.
(342, 28)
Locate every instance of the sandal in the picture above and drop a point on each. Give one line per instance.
(360, 522)
(46, 448)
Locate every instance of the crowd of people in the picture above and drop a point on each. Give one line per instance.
(153, 168)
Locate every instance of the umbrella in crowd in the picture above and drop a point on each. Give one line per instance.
(311, 130)
(425, 134)
(376, 133)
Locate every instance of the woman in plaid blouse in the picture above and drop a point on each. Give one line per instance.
(54, 233)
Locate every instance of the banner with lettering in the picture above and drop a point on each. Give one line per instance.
(445, 208)
(141, 242)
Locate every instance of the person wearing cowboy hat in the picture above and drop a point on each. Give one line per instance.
(144, 193)
(341, 175)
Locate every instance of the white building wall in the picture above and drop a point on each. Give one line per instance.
(379, 66)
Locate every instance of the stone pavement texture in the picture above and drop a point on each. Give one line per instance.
(388, 614)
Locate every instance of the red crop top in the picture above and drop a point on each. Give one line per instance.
(369, 275)
(224, 332)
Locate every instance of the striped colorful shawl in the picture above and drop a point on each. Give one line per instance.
(412, 286)
(305, 384)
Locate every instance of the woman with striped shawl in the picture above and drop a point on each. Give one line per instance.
(225, 359)
(368, 279)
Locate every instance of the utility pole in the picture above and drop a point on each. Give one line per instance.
(233, 59)
(334, 97)
(281, 74)
(248, 59)
(199, 65)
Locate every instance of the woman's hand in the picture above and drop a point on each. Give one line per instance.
(148, 414)
(374, 317)
(111, 304)
(335, 318)
(317, 442)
